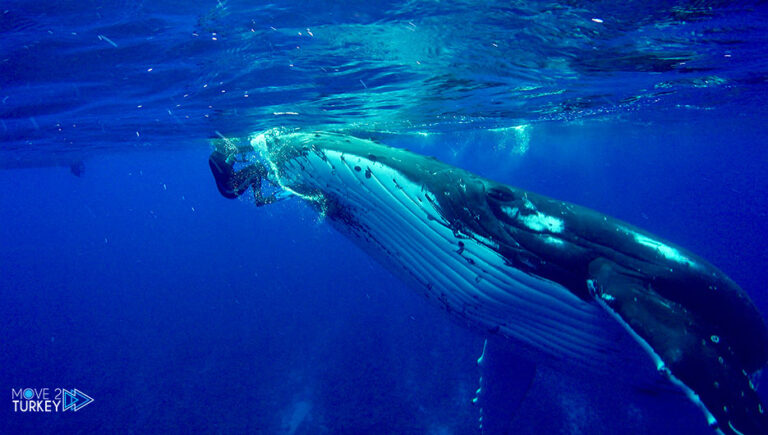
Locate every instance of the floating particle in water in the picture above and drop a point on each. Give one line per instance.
(105, 39)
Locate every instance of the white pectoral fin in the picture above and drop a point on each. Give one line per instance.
(681, 349)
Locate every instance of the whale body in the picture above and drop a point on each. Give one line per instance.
(561, 280)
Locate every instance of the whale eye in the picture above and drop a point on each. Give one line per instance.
(501, 194)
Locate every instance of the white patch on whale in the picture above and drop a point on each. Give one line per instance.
(536, 221)
(662, 249)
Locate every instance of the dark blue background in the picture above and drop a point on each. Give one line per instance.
(179, 310)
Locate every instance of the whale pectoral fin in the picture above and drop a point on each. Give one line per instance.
(683, 349)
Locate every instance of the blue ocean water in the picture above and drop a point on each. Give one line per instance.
(124, 274)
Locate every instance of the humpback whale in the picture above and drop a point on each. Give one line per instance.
(560, 280)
